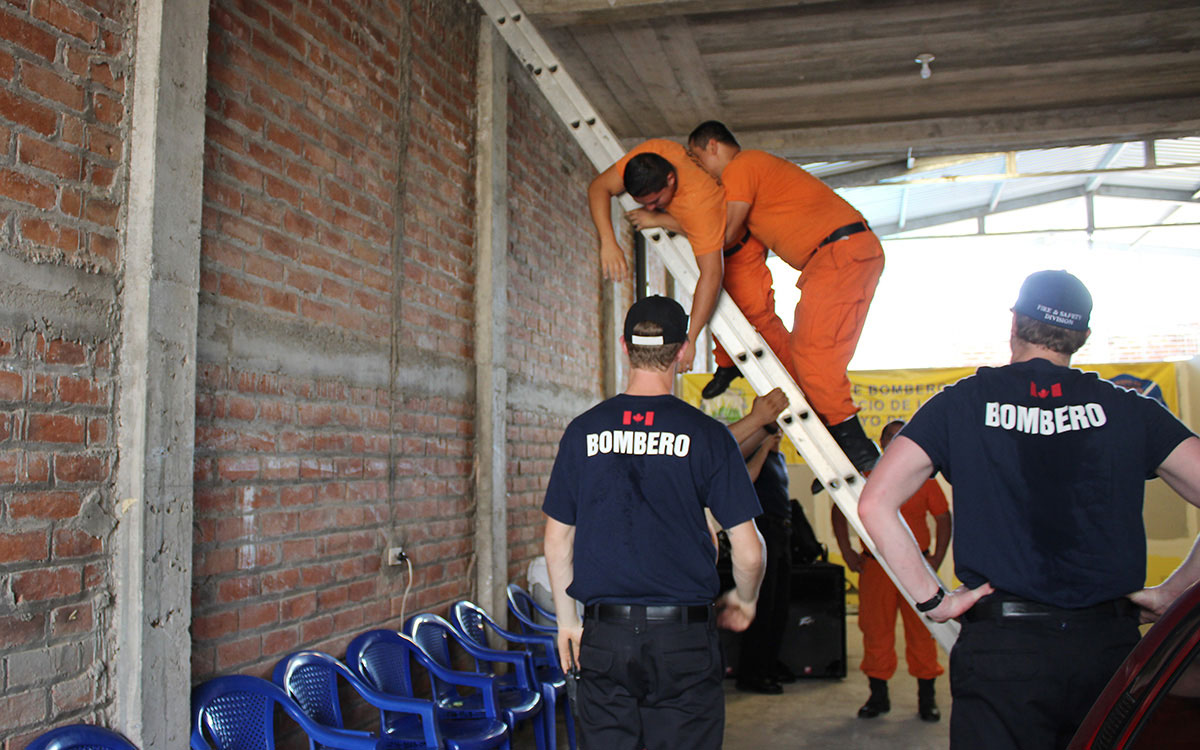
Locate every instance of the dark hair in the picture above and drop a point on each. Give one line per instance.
(1054, 338)
(711, 130)
(646, 173)
(651, 357)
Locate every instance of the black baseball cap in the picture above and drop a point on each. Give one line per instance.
(663, 311)
(1056, 298)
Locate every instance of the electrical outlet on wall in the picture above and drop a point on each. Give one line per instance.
(396, 556)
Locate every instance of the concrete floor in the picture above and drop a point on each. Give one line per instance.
(821, 713)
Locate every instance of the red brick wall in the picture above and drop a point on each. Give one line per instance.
(553, 302)
(335, 399)
(56, 462)
(307, 107)
(62, 127)
(62, 119)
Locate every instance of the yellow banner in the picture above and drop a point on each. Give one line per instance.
(884, 395)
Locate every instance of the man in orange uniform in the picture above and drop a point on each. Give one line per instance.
(879, 600)
(816, 232)
(677, 194)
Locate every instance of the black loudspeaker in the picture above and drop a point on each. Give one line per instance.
(814, 643)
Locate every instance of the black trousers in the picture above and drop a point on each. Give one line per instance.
(652, 686)
(760, 643)
(1028, 683)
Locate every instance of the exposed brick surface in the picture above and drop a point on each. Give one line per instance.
(63, 130)
(554, 309)
(293, 509)
(54, 565)
(64, 113)
(316, 113)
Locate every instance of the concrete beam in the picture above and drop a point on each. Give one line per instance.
(491, 323)
(150, 658)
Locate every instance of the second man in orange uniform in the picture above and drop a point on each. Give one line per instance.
(840, 259)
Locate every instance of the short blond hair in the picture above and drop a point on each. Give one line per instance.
(651, 357)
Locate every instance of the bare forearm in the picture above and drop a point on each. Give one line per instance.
(901, 471)
(1186, 574)
(748, 556)
(704, 299)
(600, 204)
(1181, 470)
(560, 564)
(755, 464)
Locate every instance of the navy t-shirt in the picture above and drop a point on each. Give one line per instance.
(1048, 466)
(633, 475)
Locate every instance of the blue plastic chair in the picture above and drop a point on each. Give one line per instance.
(311, 679)
(383, 659)
(237, 712)
(523, 700)
(80, 737)
(526, 609)
(473, 622)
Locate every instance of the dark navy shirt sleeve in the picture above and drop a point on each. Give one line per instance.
(1164, 433)
(731, 499)
(929, 428)
(562, 492)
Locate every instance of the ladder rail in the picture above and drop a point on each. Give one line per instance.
(759, 365)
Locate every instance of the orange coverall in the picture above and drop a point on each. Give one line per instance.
(791, 212)
(878, 601)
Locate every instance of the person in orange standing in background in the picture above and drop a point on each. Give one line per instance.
(676, 193)
(840, 259)
(879, 600)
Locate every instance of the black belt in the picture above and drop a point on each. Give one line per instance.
(649, 613)
(738, 245)
(1023, 609)
(843, 232)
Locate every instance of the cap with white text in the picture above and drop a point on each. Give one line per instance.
(1056, 298)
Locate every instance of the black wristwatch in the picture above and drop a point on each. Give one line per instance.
(932, 602)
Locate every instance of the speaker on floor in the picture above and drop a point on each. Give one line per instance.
(814, 644)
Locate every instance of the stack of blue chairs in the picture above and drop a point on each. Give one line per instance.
(467, 710)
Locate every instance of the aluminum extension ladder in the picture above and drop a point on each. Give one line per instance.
(757, 362)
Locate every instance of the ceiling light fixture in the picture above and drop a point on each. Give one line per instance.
(924, 59)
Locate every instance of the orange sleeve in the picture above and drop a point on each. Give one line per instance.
(703, 220)
(740, 180)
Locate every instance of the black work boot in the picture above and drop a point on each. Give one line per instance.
(855, 444)
(720, 381)
(878, 703)
(926, 706)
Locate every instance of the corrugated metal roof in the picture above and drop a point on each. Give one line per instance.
(927, 198)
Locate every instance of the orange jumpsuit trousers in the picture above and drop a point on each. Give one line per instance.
(878, 602)
(836, 286)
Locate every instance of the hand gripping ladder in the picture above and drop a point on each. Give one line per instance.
(757, 362)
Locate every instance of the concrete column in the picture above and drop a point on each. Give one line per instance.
(491, 317)
(150, 659)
